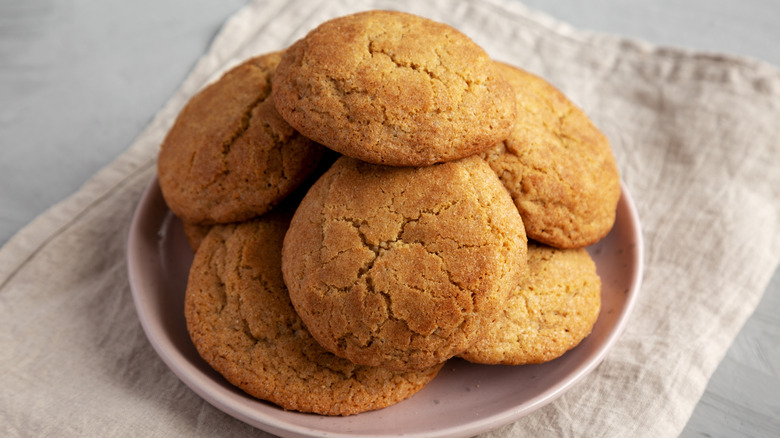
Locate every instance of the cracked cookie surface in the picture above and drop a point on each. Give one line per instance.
(403, 267)
(393, 88)
(557, 166)
(230, 156)
(242, 323)
(550, 313)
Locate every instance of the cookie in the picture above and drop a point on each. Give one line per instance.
(403, 267)
(195, 234)
(557, 166)
(230, 156)
(242, 323)
(393, 88)
(551, 313)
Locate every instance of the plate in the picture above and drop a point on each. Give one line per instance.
(463, 400)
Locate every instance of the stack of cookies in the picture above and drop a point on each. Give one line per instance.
(376, 199)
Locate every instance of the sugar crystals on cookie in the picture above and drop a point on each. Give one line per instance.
(551, 312)
(229, 156)
(393, 88)
(557, 166)
(403, 267)
(242, 323)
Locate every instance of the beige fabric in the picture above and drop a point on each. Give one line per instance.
(696, 139)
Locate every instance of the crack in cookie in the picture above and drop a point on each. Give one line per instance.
(403, 267)
(551, 312)
(557, 166)
(393, 88)
(230, 156)
(257, 341)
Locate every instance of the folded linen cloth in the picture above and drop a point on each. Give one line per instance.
(696, 139)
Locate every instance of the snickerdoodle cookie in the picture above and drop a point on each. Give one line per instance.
(195, 233)
(230, 156)
(550, 313)
(403, 267)
(242, 323)
(393, 88)
(557, 166)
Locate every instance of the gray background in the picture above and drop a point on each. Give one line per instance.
(80, 79)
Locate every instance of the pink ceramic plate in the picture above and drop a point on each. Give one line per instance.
(463, 400)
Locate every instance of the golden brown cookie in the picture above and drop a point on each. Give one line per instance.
(403, 267)
(557, 166)
(393, 88)
(195, 234)
(550, 313)
(241, 320)
(230, 156)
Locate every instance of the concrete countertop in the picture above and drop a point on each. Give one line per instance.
(79, 80)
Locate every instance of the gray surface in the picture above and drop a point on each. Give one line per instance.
(80, 79)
